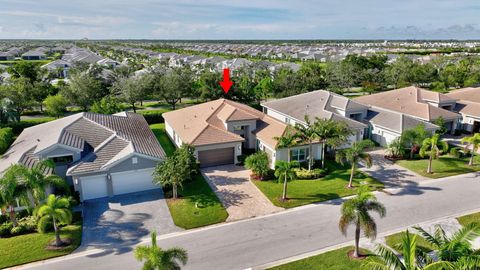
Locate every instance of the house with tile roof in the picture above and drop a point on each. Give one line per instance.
(418, 103)
(468, 106)
(366, 121)
(99, 155)
(221, 130)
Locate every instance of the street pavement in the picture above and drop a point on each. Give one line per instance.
(253, 242)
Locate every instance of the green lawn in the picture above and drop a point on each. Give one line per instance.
(197, 206)
(442, 167)
(472, 218)
(31, 247)
(159, 131)
(301, 192)
(332, 260)
(395, 240)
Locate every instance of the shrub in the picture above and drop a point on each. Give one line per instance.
(29, 223)
(455, 152)
(18, 127)
(304, 174)
(56, 105)
(258, 163)
(5, 229)
(20, 229)
(6, 139)
(153, 116)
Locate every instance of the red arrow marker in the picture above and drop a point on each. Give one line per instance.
(226, 83)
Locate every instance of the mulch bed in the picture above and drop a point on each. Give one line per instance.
(65, 243)
(360, 257)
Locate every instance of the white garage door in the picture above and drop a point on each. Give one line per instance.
(132, 181)
(94, 187)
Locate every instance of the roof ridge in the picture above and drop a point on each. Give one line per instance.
(203, 130)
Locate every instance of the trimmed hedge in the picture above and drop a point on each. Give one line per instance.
(18, 127)
(153, 116)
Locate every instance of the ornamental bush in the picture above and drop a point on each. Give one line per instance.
(258, 163)
(304, 174)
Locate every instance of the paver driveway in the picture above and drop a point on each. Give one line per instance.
(239, 196)
(118, 223)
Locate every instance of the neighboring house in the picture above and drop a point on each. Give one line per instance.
(380, 125)
(468, 105)
(221, 129)
(58, 66)
(35, 54)
(6, 56)
(386, 125)
(418, 103)
(319, 104)
(100, 155)
(107, 62)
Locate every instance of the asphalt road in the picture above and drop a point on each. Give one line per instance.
(258, 241)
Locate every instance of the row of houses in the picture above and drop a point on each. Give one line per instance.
(107, 155)
(74, 56)
(222, 129)
(37, 53)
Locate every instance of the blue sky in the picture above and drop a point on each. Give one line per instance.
(236, 19)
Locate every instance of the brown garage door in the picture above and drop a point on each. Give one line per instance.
(216, 157)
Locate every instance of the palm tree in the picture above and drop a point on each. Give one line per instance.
(413, 258)
(353, 155)
(57, 210)
(356, 211)
(433, 147)
(414, 138)
(36, 180)
(456, 248)
(287, 140)
(11, 191)
(158, 259)
(307, 134)
(284, 170)
(473, 141)
(331, 133)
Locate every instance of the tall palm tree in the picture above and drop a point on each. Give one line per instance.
(287, 140)
(331, 133)
(457, 247)
(413, 258)
(159, 259)
(284, 170)
(56, 210)
(36, 179)
(11, 191)
(473, 141)
(433, 147)
(356, 211)
(307, 134)
(414, 138)
(355, 154)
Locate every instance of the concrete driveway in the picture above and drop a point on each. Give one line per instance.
(391, 174)
(239, 196)
(117, 224)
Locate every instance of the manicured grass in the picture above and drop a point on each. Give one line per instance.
(468, 219)
(332, 260)
(197, 206)
(162, 137)
(395, 240)
(31, 247)
(442, 167)
(301, 192)
(39, 120)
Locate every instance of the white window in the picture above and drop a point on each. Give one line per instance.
(134, 160)
(300, 154)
